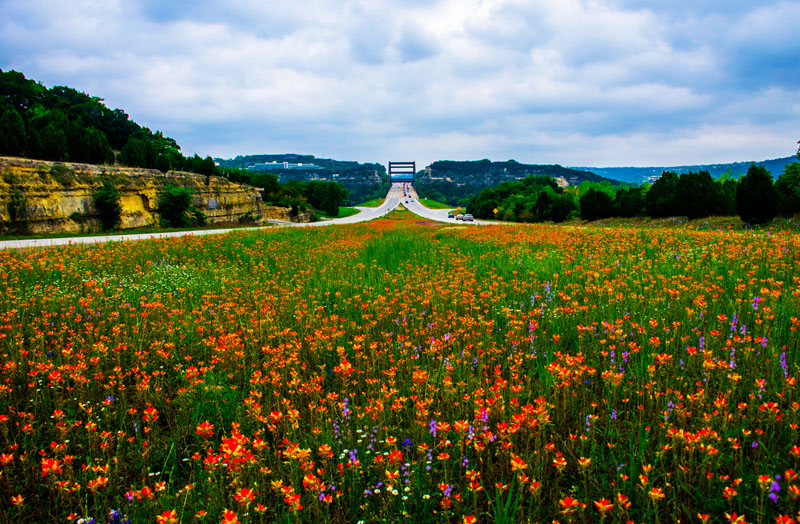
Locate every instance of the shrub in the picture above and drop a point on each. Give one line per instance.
(62, 175)
(247, 218)
(17, 206)
(756, 198)
(107, 203)
(174, 205)
(198, 217)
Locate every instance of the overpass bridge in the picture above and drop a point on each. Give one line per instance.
(402, 172)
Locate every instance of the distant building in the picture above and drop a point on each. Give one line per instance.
(271, 167)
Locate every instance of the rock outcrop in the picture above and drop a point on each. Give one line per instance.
(56, 197)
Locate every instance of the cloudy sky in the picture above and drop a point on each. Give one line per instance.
(574, 82)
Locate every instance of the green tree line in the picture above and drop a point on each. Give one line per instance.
(755, 198)
(297, 194)
(63, 124)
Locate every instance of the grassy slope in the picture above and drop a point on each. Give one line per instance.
(433, 204)
(375, 202)
(343, 212)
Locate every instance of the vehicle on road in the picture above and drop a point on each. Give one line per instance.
(459, 217)
(450, 215)
(468, 218)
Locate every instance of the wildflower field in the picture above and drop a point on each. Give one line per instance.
(403, 372)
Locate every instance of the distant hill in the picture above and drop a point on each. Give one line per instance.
(456, 181)
(363, 181)
(638, 175)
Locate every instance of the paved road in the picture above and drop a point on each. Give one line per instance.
(439, 215)
(394, 197)
(391, 201)
(48, 242)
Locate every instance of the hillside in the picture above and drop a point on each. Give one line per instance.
(456, 181)
(65, 125)
(638, 175)
(362, 181)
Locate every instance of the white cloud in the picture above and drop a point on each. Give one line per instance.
(563, 82)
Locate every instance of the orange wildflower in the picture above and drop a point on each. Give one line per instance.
(205, 429)
(517, 464)
(244, 496)
(168, 517)
(50, 466)
(568, 505)
(603, 506)
(229, 517)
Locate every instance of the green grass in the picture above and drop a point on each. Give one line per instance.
(375, 202)
(135, 231)
(433, 204)
(343, 212)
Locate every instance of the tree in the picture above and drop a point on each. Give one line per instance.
(100, 151)
(12, 133)
(20, 92)
(629, 202)
(207, 167)
(134, 153)
(542, 207)
(78, 147)
(325, 196)
(727, 184)
(595, 205)
(162, 163)
(267, 181)
(756, 198)
(53, 143)
(698, 194)
(174, 204)
(562, 207)
(33, 149)
(107, 203)
(788, 189)
(662, 198)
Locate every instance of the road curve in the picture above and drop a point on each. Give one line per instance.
(366, 214)
(412, 203)
(399, 193)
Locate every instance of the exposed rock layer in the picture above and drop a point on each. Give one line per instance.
(57, 196)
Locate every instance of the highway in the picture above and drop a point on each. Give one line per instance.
(393, 199)
(413, 204)
(366, 214)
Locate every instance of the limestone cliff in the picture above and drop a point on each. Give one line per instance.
(57, 196)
